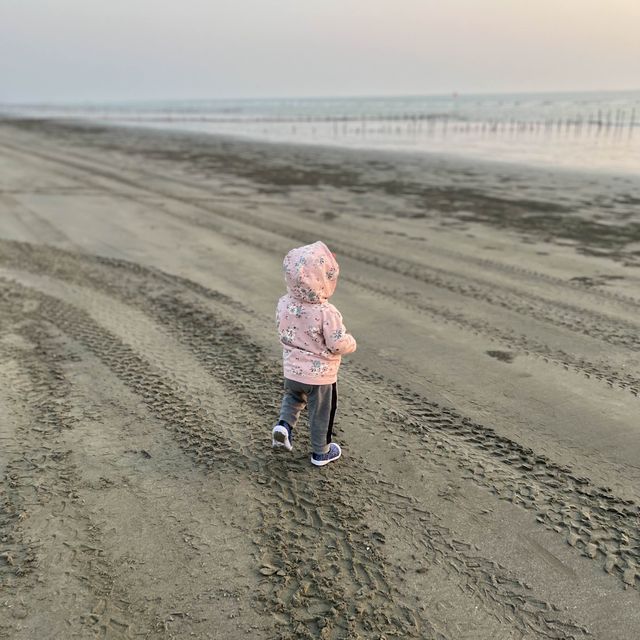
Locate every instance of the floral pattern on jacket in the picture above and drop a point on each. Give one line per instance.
(311, 330)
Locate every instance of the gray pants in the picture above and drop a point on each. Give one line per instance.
(321, 400)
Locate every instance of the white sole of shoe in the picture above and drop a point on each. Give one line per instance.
(281, 438)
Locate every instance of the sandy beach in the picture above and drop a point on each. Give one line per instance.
(490, 479)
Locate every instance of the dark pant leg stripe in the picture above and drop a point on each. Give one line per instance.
(334, 406)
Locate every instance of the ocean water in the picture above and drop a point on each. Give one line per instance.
(594, 131)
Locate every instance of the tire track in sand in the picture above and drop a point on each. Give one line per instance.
(47, 519)
(594, 520)
(174, 307)
(591, 519)
(505, 596)
(508, 338)
(216, 341)
(310, 593)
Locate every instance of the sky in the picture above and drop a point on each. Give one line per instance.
(115, 50)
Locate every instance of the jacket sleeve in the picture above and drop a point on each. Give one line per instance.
(336, 337)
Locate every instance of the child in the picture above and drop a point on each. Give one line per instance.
(313, 340)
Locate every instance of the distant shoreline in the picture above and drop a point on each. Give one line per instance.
(597, 131)
(449, 157)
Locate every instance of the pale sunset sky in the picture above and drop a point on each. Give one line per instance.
(95, 50)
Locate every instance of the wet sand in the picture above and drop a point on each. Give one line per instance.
(490, 483)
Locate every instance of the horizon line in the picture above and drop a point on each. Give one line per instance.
(449, 94)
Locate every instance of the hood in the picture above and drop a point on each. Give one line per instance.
(311, 272)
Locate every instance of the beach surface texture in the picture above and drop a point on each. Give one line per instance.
(489, 486)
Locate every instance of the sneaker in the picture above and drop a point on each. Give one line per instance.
(320, 459)
(282, 437)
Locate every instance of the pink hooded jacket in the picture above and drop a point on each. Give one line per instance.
(310, 327)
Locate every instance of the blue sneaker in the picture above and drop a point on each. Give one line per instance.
(282, 437)
(320, 459)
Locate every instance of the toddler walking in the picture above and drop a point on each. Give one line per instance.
(313, 340)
